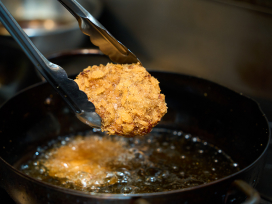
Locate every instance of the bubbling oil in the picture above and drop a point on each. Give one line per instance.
(163, 160)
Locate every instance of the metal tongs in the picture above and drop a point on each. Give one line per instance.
(54, 74)
(99, 35)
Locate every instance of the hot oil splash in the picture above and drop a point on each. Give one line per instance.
(160, 161)
(85, 161)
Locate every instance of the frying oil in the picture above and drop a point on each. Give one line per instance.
(160, 161)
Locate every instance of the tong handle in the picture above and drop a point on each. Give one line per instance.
(53, 73)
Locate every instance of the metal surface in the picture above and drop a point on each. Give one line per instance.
(53, 73)
(253, 197)
(48, 24)
(264, 6)
(224, 43)
(229, 122)
(99, 36)
(38, 17)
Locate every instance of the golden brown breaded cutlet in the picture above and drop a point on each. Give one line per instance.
(126, 97)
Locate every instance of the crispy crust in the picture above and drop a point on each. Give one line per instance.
(126, 97)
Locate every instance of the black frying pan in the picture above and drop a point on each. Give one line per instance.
(222, 117)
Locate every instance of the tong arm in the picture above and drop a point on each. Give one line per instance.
(54, 74)
(99, 35)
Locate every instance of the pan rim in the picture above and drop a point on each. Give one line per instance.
(129, 196)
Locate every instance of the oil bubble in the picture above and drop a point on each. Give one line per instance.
(150, 179)
(159, 149)
(160, 161)
(175, 168)
(120, 174)
(187, 136)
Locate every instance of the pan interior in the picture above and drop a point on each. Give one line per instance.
(219, 116)
(164, 160)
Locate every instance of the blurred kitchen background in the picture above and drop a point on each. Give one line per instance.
(226, 41)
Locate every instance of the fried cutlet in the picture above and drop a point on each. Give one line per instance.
(126, 97)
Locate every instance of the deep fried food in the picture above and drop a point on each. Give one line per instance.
(85, 161)
(126, 97)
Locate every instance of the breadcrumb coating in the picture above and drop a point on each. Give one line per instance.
(126, 97)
